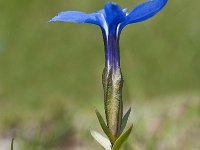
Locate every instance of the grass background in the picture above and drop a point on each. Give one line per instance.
(50, 76)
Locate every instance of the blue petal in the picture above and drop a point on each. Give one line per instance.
(144, 11)
(78, 17)
(113, 14)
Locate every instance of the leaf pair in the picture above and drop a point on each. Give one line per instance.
(114, 143)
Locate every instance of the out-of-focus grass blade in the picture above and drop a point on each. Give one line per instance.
(125, 119)
(11, 147)
(122, 139)
(101, 140)
(105, 127)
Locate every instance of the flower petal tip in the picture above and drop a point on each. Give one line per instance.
(52, 20)
(145, 11)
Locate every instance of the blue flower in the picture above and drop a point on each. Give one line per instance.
(112, 19)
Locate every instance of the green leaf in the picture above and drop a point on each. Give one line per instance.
(11, 147)
(124, 120)
(101, 140)
(105, 127)
(122, 139)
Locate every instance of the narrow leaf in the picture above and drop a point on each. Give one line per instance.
(101, 140)
(122, 139)
(125, 119)
(11, 147)
(105, 127)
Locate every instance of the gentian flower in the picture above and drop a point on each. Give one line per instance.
(112, 19)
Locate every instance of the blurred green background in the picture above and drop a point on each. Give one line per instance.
(50, 77)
